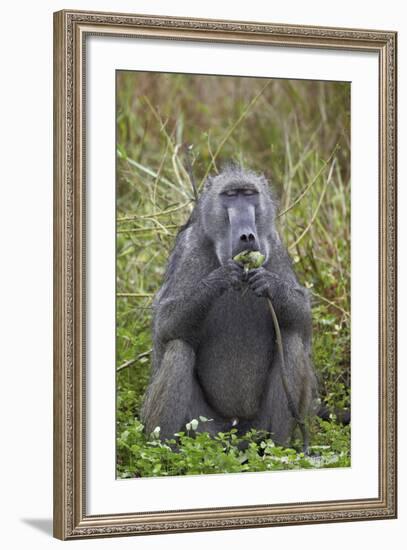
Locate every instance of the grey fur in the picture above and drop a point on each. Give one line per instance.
(214, 350)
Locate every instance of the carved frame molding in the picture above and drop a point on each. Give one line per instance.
(70, 31)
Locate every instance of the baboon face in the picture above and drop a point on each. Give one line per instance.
(237, 213)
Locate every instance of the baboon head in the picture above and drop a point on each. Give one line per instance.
(237, 212)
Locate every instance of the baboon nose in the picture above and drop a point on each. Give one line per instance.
(247, 237)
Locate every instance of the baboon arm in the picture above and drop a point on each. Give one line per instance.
(291, 304)
(180, 316)
(290, 300)
(182, 309)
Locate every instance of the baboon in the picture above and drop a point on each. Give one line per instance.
(214, 341)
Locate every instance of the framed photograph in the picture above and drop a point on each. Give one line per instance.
(225, 274)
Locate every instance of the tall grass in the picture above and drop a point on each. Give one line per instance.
(295, 132)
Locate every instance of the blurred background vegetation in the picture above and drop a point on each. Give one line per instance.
(295, 132)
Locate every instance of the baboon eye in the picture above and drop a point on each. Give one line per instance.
(249, 192)
(231, 193)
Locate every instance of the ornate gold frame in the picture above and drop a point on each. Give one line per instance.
(70, 31)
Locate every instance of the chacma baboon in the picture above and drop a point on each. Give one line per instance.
(214, 341)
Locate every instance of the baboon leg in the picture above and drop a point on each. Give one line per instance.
(174, 396)
(170, 391)
(276, 416)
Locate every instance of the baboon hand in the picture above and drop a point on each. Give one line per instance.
(263, 283)
(228, 275)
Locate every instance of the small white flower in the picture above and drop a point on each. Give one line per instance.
(194, 424)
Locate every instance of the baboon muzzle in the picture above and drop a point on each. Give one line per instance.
(243, 232)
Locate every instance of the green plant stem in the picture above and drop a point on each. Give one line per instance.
(131, 362)
(315, 213)
(308, 187)
(286, 380)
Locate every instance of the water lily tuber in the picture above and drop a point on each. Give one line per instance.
(250, 259)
